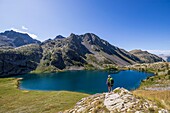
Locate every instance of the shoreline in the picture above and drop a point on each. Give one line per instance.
(20, 79)
(14, 100)
(18, 82)
(10, 91)
(138, 67)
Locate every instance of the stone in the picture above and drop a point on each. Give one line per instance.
(119, 100)
(138, 112)
(163, 111)
(20, 60)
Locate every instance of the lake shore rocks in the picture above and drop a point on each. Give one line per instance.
(119, 100)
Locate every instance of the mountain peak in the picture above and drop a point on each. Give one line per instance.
(89, 34)
(145, 56)
(17, 39)
(138, 51)
(72, 34)
(74, 37)
(12, 32)
(59, 37)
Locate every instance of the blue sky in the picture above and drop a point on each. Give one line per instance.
(128, 24)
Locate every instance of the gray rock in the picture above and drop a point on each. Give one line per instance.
(163, 111)
(146, 57)
(120, 100)
(16, 39)
(19, 60)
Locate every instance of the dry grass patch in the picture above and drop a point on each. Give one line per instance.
(162, 98)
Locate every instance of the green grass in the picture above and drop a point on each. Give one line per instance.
(44, 69)
(161, 80)
(89, 67)
(111, 68)
(15, 100)
(149, 70)
(160, 97)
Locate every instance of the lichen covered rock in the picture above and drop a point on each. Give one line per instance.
(119, 100)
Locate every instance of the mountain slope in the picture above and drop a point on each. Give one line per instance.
(15, 39)
(20, 60)
(146, 57)
(83, 50)
(75, 52)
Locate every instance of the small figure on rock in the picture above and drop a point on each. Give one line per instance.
(109, 83)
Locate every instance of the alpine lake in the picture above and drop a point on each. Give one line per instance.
(90, 82)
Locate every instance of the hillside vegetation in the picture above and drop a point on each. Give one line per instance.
(156, 88)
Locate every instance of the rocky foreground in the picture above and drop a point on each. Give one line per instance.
(119, 100)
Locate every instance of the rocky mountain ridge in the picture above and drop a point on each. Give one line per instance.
(16, 39)
(74, 52)
(82, 50)
(146, 57)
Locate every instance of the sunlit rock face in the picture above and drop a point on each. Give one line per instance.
(119, 100)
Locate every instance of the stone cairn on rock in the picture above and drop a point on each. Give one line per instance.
(119, 100)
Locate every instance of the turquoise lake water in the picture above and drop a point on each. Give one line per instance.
(82, 81)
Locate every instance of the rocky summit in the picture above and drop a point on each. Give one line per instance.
(119, 100)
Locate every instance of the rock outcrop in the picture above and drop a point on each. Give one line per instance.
(20, 60)
(119, 100)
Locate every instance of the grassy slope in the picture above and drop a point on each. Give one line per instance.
(162, 98)
(159, 80)
(14, 100)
